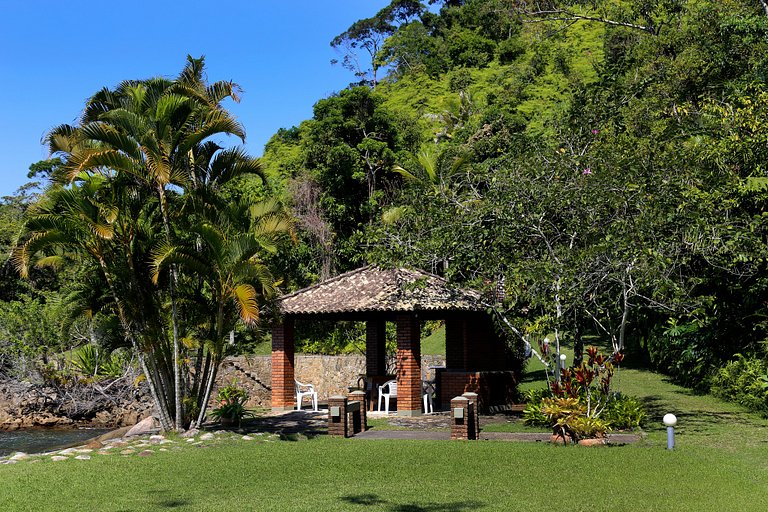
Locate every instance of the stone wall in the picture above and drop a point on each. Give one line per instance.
(331, 375)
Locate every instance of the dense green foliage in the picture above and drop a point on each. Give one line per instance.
(744, 381)
(605, 159)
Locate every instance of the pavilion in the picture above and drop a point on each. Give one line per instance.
(477, 359)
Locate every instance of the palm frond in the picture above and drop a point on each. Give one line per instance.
(211, 236)
(219, 91)
(111, 137)
(56, 262)
(172, 109)
(264, 207)
(127, 121)
(231, 163)
(95, 159)
(245, 298)
(212, 123)
(404, 173)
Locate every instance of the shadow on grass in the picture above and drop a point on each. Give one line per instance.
(293, 436)
(534, 376)
(164, 500)
(695, 419)
(368, 500)
(172, 503)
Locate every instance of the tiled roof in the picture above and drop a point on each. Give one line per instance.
(370, 289)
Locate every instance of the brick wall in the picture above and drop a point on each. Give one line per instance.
(494, 389)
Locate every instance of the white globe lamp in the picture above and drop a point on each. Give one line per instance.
(670, 420)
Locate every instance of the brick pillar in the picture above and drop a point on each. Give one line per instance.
(454, 344)
(375, 347)
(337, 416)
(359, 396)
(283, 392)
(408, 366)
(474, 417)
(460, 422)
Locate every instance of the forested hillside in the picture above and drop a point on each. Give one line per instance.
(605, 160)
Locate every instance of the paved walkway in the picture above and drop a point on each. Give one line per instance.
(540, 437)
(427, 427)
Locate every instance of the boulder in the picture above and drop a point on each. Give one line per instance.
(190, 433)
(148, 425)
(94, 444)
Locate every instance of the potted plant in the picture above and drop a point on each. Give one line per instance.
(231, 408)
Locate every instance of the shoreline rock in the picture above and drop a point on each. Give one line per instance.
(26, 405)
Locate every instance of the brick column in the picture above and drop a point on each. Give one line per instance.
(359, 396)
(454, 344)
(460, 422)
(337, 416)
(474, 416)
(408, 366)
(283, 392)
(375, 348)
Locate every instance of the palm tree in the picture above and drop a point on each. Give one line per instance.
(429, 171)
(227, 253)
(87, 221)
(151, 138)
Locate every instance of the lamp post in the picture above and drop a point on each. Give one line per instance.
(562, 361)
(670, 420)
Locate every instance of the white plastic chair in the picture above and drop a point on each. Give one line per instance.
(428, 387)
(305, 390)
(391, 387)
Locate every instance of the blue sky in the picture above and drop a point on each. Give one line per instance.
(55, 54)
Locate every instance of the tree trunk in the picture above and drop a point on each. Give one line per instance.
(174, 320)
(165, 420)
(578, 341)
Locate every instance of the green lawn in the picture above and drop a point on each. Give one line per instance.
(434, 344)
(720, 464)
(332, 474)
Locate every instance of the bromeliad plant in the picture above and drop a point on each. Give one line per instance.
(231, 408)
(581, 396)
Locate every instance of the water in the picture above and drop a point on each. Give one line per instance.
(44, 440)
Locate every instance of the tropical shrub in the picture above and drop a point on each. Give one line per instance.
(532, 414)
(684, 352)
(93, 361)
(624, 412)
(580, 405)
(744, 381)
(232, 401)
(589, 382)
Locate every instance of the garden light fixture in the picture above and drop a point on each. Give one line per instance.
(670, 420)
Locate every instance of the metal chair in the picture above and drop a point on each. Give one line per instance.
(305, 390)
(391, 392)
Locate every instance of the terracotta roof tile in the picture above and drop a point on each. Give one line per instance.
(373, 288)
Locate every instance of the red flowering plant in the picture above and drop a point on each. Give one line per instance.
(580, 397)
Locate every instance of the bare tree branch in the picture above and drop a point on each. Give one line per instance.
(765, 6)
(565, 15)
